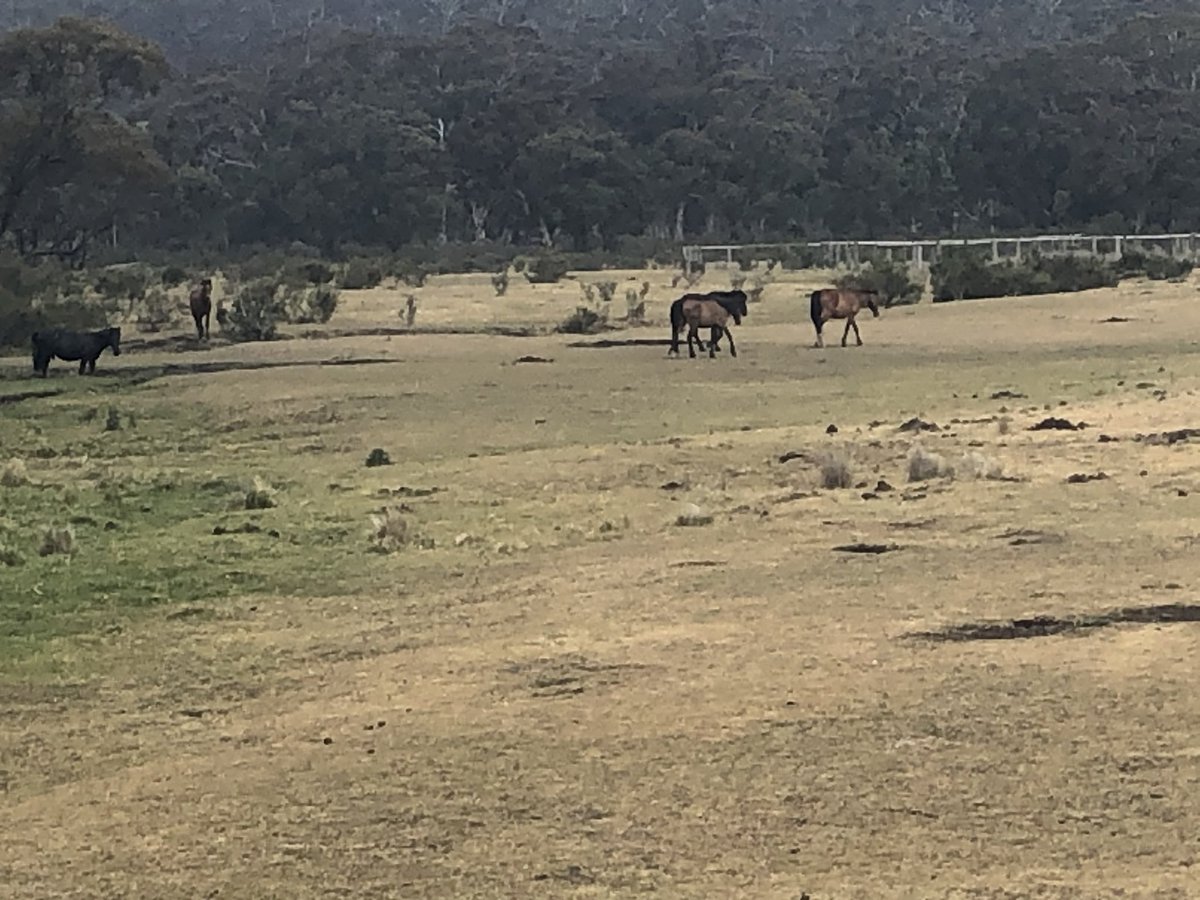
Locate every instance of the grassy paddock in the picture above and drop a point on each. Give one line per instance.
(596, 604)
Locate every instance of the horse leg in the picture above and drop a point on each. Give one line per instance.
(714, 335)
(83, 366)
(732, 347)
(846, 333)
(819, 325)
(207, 323)
(692, 335)
(857, 336)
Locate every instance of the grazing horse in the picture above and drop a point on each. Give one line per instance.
(704, 312)
(200, 301)
(841, 303)
(728, 299)
(85, 346)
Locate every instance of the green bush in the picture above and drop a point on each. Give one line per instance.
(964, 273)
(583, 321)
(795, 259)
(256, 311)
(173, 276)
(893, 281)
(274, 264)
(124, 283)
(361, 273)
(34, 297)
(1075, 272)
(547, 268)
(317, 272)
(315, 304)
(155, 311)
(1156, 267)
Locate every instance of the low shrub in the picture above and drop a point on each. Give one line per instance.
(360, 274)
(256, 311)
(836, 471)
(547, 268)
(893, 281)
(584, 320)
(964, 273)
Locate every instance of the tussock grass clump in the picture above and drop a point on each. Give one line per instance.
(260, 496)
(14, 474)
(500, 282)
(635, 307)
(10, 556)
(113, 421)
(977, 465)
(693, 516)
(57, 541)
(836, 471)
(923, 465)
(390, 530)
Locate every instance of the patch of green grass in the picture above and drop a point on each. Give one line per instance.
(142, 507)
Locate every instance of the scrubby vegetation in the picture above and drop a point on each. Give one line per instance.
(966, 273)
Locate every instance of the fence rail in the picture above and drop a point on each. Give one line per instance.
(923, 252)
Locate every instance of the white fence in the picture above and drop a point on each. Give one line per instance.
(923, 252)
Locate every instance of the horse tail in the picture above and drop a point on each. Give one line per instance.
(815, 308)
(676, 324)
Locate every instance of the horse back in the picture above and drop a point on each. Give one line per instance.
(703, 311)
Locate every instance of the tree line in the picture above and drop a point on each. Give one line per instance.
(497, 123)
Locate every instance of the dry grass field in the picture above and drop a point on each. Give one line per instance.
(542, 685)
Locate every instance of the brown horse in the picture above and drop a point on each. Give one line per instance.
(200, 301)
(728, 299)
(841, 303)
(702, 312)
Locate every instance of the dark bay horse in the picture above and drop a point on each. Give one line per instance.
(85, 346)
(841, 303)
(728, 299)
(714, 314)
(200, 301)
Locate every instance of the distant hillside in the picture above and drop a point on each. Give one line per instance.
(199, 33)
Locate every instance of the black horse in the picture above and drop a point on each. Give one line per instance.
(85, 346)
(730, 300)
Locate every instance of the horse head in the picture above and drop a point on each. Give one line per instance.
(869, 300)
(113, 338)
(734, 303)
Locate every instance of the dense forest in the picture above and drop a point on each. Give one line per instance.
(352, 126)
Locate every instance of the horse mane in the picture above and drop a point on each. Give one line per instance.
(728, 302)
